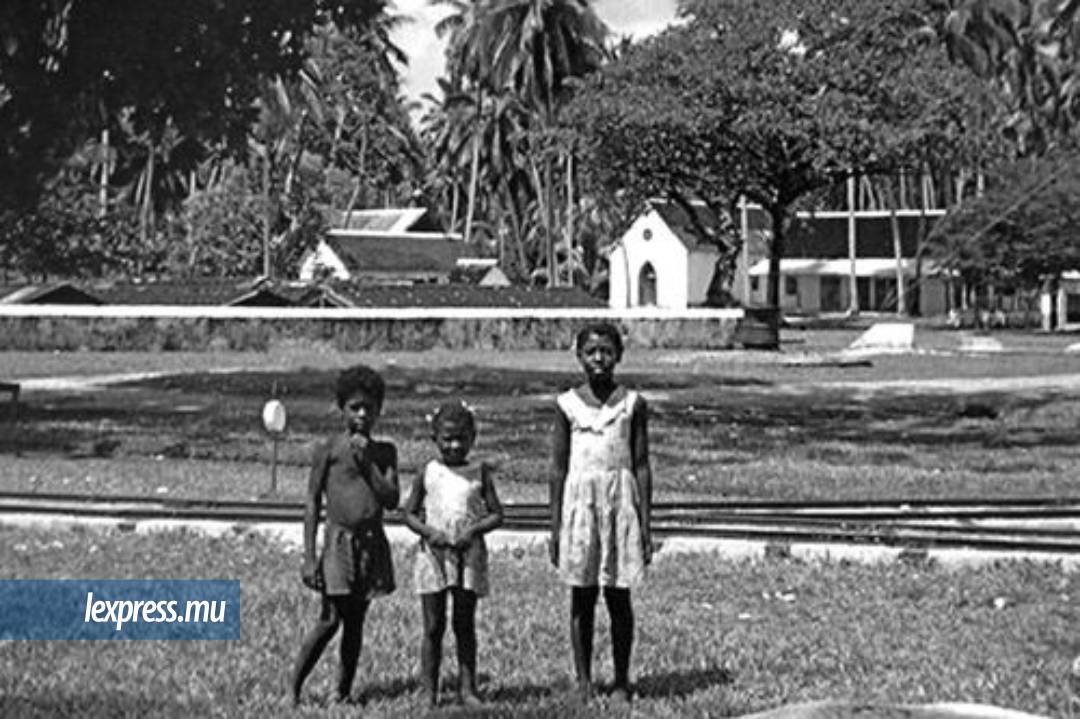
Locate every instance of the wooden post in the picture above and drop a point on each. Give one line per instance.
(273, 466)
(274, 421)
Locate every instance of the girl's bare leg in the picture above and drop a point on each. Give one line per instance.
(464, 621)
(622, 638)
(434, 610)
(582, 621)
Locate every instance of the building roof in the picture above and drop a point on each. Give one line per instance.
(268, 293)
(54, 293)
(399, 254)
(390, 220)
(461, 295)
(694, 223)
(864, 267)
(191, 292)
(478, 271)
(826, 237)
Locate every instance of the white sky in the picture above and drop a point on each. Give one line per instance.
(425, 51)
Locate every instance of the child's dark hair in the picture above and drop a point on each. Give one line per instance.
(360, 378)
(455, 412)
(601, 329)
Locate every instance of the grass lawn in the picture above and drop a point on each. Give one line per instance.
(736, 425)
(714, 637)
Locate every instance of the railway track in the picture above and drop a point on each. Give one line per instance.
(1031, 525)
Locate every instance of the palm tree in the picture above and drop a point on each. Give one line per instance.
(534, 48)
(530, 48)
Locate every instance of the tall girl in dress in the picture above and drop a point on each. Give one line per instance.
(452, 506)
(601, 497)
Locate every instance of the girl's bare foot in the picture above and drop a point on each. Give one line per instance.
(469, 698)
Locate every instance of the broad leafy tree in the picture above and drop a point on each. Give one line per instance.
(1030, 50)
(1021, 230)
(70, 68)
(776, 101)
(188, 117)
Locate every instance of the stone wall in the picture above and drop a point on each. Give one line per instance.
(156, 329)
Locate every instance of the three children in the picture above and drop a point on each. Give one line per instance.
(601, 495)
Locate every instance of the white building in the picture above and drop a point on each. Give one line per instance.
(666, 258)
(1059, 303)
(385, 245)
(816, 270)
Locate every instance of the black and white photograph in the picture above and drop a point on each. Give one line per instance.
(540, 358)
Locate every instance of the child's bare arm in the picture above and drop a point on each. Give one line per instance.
(494, 517)
(639, 446)
(560, 465)
(413, 519)
(312, 510)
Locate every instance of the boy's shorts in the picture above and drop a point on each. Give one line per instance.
(357, 561)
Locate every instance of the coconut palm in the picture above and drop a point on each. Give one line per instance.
(531, 49)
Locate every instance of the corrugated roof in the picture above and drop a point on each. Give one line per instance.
(397, 219)
(398, 254)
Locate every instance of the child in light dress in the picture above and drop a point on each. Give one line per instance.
(452, 506)
(601, 498)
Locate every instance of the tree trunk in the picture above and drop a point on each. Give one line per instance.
(517, 226)
(744, 252)
(268, 208)
(901, 292)
(103, 187)
(853, 284)
(778, 215)
(352, 202)
(549, 222)
(916, 293)
(455, 190)
(541, 198)
(147, 207)
(474, 172)
(570, 217)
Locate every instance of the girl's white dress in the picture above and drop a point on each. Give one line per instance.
(600, 536)
(452, 502)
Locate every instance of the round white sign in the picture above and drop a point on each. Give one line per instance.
(273, 416)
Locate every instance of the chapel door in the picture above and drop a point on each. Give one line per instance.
(647, 286)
